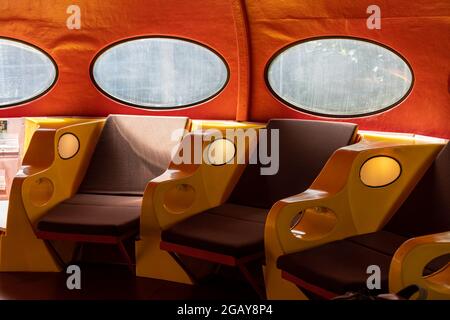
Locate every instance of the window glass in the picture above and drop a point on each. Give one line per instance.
(339, 77)
(25, 72)
(160, 72)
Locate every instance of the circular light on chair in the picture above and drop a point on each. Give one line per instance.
(220, 151)
(68, 146)
(380, 171)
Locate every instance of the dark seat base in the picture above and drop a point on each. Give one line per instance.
(90, 218)
(229, 229)
(337, 267)
(341, 266)
(91, 214)
(229, 234)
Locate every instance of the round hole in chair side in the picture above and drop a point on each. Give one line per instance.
(68, 146)
(179, 198)
(313, 223)
(41, 192)
(220, 152)
(380, 171)
(436, 265)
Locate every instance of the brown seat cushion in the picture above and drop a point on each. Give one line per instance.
(304, 148)
(382, 241)
(240, 212)
(228, 229)
(387, 243)
(338, 267)
(94, 215)
(131, 151)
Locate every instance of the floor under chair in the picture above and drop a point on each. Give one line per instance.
(105, 277)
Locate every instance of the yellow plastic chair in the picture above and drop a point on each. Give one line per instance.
(357, 193)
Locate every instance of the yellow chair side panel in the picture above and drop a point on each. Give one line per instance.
(20, 250)
(34, 123)
(224, 124)
(63, 176)
(36, 189)
(412, 257)
(371, 207)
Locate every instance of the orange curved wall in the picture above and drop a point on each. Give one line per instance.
(43, 23)
(419, 30)
(246, 33)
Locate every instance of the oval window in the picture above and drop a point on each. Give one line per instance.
(380, 171)
(159, 72)
(26, 72)
(340, 77)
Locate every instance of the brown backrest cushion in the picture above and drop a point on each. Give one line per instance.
(427, 209)
(304, 148)
(130, 152)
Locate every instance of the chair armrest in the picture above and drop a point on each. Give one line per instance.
(186, 189)
(157, 212)
(46, 178)
(305, 220)
(412, 257)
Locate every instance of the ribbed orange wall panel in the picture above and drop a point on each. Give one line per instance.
(43, 23)
(247, 39)
(419, 30)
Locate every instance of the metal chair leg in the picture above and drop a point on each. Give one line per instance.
(125, 254)
(77, 252)
(253, 282)
(191, 275)
(56, 255)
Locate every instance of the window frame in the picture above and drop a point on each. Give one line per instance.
(154, 108)
(50, 87)
(328, 115)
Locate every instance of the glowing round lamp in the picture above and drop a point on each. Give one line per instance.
(68, 146)
(380, 171)
(220, 151)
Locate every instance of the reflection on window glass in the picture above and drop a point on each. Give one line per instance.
(339, 77)
(160, 72)
(25, 72)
